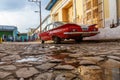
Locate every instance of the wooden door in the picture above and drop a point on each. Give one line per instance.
(93, 12)
(70, 14)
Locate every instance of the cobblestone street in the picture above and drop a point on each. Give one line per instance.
(83, 61)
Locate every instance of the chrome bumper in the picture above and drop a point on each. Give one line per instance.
(93, 32)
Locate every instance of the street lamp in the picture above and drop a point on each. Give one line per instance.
(39, 2)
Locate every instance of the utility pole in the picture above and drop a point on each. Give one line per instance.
(40, 16)
(39, 4)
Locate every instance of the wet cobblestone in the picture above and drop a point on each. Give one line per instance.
(87, 60)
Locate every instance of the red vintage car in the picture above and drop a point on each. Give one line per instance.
(58, 31)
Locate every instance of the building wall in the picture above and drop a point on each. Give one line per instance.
(106, 9)
(79, 11)
(108, 16)
(7, 33)
(45, 22)
(60, 8)
(110, 13)
(56, 12)
(68, 13)
(113, 14)
(118, 8)
(24, 37)
(15, 34)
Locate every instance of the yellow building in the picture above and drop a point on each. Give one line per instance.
(105, 13)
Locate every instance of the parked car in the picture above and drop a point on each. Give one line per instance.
(58, 31)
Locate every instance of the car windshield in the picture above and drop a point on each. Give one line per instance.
(59, 23)
(56, 24)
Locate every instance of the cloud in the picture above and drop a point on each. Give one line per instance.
(21, 15)
(22, 19)
(12, 5)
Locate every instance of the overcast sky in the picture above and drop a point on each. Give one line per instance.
(21, 13)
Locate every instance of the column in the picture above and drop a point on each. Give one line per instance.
(74, 11)
(113, 10)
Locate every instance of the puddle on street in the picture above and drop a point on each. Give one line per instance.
(112, 74)
(96, 73)
(2, 62)
(30, 58)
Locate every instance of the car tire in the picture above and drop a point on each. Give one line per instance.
(57, 40)
(79, 39)
(42, 41)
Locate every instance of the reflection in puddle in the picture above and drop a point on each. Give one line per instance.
(97, 73)
(112, 74)
(31, 58)
(2, 62)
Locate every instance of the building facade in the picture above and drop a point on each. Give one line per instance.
(8, 33)
(45, 22)
(22, 37)
(104, 13)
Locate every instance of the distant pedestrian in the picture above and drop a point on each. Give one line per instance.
(5, 37)
(10, 38)
(21, 39)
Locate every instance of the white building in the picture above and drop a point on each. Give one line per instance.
(45, 22)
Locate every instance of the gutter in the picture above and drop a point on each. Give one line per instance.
(117, 5)
(50, 4)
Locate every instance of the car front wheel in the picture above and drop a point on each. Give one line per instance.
(57, 40)
(42, 41)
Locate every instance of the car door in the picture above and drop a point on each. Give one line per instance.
(57, 30)
(50, 28)
(45, 34)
